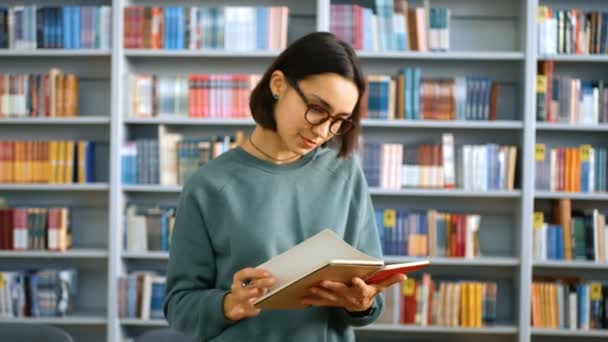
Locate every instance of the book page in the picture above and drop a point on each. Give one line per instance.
(309, 256)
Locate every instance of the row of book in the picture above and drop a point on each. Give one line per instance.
(572, 304)
(409, 96)
(572, 169)
(571, 31)
(403, 96)
(172, 159)
(28, 228)
(233, 28)
(429, 233)
(425, 302)
(54, 94)
(52, 162)
(568, 99)
(480, 167)
(195, 95)
(141, 295)
(393, 26)
(148, 228)
(41, 293)
(576, 235)
(46, 27)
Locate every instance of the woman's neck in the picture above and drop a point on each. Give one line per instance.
(267, 145)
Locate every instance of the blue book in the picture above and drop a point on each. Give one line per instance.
(167, 33)
(75, 24)
(408, 103)
(132, 296)
(416, 93)
(157, 298)
(261, 22)
(67, 36)
(179, 17)
(559, 237)
(90, 162)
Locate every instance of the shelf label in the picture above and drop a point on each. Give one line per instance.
(539, 219)
(539, 152)
(390, 218)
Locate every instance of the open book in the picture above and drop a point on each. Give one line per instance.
(324, 256)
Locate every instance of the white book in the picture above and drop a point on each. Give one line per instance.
(146, 295)
(560, 305)
(572, 313)
(472, 228)
(324, 256)
(596, 251)
(449, 176)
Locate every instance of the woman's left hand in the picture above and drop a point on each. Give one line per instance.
(359, 296)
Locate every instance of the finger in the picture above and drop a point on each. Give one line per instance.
(334, 286)
(397, 278)
(361, 288)
(322, 293)
(242, 294)
(251, 273)
(263, 282)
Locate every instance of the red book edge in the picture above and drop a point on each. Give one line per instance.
(390, 270)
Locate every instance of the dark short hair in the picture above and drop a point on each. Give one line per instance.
(313, 54)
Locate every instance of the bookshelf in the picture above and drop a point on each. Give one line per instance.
(104, 106)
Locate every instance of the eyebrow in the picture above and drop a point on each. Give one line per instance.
(329, 106)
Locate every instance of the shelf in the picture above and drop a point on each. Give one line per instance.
(445, 193)
(445, 124)
(67, 320)
(495, 330)
(69, 254)
(375, 123)
(56, 53)
(449, 55)
(599, 58)
(79, 120)
(55, 187)
(575, 264)
(160, 53)
(152, 188)
(458, 262)
(155, 255)
(570, 333)
(373, 191)
(591, 196)
(144, 323)
(181, 120)
(561, 126)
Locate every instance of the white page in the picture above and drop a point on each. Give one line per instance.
(308, 256)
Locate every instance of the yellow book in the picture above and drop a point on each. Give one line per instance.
(53, 179)
(18, 164)
(46, 162)
(60, 161)
(69, 170)
(464, 295)
(479, 305)
(81, 161)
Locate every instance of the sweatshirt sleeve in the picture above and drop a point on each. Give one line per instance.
(192, 305)
(361, 232)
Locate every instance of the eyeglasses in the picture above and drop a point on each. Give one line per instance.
(317, 115)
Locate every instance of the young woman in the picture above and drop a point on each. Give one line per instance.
(279, 188)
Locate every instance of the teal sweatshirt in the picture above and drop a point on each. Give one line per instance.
(238, 211)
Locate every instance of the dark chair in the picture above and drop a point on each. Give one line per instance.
(164, 335)
(33, 332)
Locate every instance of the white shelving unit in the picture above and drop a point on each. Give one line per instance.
(495, 38)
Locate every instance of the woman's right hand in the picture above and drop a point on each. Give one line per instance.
(238, 303)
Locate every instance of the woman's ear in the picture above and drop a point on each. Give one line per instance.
(278, 83)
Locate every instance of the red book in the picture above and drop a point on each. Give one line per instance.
(390, 270)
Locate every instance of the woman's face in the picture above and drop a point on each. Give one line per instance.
(325, 93)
